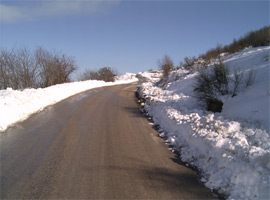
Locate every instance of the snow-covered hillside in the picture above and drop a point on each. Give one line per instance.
(231, 148)
(18, 105)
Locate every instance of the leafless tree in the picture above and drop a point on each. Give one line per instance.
(166, 65)
(17, 69)
(54, 68)
(6, 68)
(26, 69)
(21, 68)
(88, 75)
(236, 80)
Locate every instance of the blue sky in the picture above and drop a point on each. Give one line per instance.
(129, 36)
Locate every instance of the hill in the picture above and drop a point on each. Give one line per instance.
(231, 149)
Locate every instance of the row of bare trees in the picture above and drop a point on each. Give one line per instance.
(21, 68)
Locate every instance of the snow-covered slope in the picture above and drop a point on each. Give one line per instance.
(231, 148)
(18, 105)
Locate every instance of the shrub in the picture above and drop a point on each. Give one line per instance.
(220, 77)
(88, 75)
(189, 63)
(54, 68)
(210, 84)
(236, 80)
(106, 74)
(206, 93)
(204, 87)
(166, 65)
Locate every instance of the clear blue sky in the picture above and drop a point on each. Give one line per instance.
(129, 36)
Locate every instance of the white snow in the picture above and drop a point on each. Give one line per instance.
(16, 105)
(231, 148)
(149, 76)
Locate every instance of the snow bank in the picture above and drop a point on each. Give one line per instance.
(18, 105)
(130, 77)
(149, 76)
(232, 148)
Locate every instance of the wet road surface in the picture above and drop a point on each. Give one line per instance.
(95, 145)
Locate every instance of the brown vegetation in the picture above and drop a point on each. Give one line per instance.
(166, 65)
(21, 69)
(257, 38)
(106, 74)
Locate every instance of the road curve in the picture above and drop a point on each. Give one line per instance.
(95, 145)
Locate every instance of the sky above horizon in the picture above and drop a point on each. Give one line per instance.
(129, 36)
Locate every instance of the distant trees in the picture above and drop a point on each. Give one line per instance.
(257, 38)
(106, 74)
(21, 69)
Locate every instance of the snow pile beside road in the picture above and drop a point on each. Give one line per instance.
(127, 77)
(232, 148)
(18, 105)
(149, 76)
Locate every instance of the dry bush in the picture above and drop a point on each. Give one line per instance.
(250, 78)
(237, 81)
(220, 78)
(88, 75)
(189, 63)
(166, 65)
(54, 68)
(106, 74)
(20, 68)
(210, 84)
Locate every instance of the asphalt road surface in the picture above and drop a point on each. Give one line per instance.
(95, 145)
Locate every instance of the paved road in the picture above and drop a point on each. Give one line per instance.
(94, 145)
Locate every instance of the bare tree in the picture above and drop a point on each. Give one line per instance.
(17, 68)
(53, 68)
(26, 69)
(7, 63)
(21, 68)
(236, 80)
(166, 65)
(88, 75)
